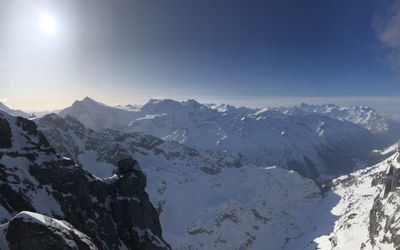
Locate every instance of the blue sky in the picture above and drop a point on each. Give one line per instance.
(129, 51)
(317, 48)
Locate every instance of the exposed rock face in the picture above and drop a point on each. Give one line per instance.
(384, 214)
(5, 134)
(114, 213)
(127, 166)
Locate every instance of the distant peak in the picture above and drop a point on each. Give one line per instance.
(366, 108)
(193, 101)
(88, 99)
(160, 102)
(224, 107)
(154, 101)
(157, 105)
(303, 105)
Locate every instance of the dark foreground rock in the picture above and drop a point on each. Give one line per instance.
(113, 213)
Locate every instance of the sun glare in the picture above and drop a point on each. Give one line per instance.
(47, 24)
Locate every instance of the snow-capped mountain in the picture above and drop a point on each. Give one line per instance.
(99, 116)
(310, 143)
(365, 116)
(14, 112)
(203, 203)
(50, 202)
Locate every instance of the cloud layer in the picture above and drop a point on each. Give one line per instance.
(387, 28)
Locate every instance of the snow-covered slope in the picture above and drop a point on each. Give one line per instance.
(310, 143)
(203, 203)
(4, 108)
(115, 212)
(361, 211)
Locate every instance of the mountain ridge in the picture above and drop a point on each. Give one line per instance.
(21, 113)
(245, 134)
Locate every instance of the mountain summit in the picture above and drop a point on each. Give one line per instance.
(97, 115)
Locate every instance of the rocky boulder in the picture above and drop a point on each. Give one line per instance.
(29, 230)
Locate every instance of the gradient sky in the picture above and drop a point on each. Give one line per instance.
(256, 53)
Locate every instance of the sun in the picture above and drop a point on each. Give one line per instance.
(47, 24)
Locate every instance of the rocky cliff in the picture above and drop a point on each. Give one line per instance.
(43, 193)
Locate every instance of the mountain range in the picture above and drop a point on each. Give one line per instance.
(218, 176)
(316, 142)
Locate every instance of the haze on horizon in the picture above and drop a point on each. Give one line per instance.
(258, 53)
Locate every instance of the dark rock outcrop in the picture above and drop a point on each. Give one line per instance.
(127, 166)
(5, 134)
